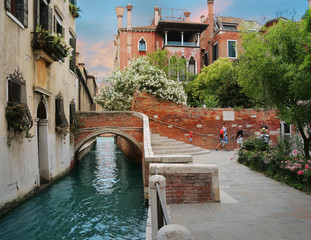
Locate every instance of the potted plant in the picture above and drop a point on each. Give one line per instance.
(19, 122)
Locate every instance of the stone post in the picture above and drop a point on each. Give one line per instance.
(153, 200)
(174, 231)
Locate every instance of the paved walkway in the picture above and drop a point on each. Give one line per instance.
(253, 206)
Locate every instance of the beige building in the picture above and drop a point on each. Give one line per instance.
(37, 91)
(86, 89)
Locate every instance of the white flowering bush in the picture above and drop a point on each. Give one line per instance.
(140, 76)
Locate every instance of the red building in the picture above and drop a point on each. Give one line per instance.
(199, 43)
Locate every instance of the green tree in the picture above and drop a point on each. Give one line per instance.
(273, 71)
(174, 67)
(216, 86)
(142, 76)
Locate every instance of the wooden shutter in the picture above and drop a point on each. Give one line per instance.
(50, 19)
(22, 11)
(37, 13)
(26, 13)
(72, 108)
(8, 5)
(72, 63)
(44, 10)
(63, 32)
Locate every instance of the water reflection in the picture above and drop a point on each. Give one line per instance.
(101, 199)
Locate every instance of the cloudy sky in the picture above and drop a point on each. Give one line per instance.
(98, 22)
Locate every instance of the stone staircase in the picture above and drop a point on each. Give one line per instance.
(163, 145)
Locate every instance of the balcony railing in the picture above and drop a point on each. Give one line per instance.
(186, 44)
(48, 45)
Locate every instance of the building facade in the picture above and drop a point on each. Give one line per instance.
(37, 90)
(221, 39)
(86, 89)
(199, 43)
(176, 33)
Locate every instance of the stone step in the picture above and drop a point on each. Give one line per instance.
(180, 146)
(166, 142)
(181, 151)
(162, 146)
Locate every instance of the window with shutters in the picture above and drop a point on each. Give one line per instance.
(16, 88)
(72, 60)
(61, 123)
(191, 65)
(232, 49)
(18, 9)
(142, 45)
(215, 52)
(58, 25)
(17, 114)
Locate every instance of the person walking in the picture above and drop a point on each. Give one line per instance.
(190, 137)
(239, 137)
(223, 137)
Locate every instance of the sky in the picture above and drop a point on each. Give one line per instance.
(98, 23)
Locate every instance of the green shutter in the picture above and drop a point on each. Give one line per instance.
(50, 19)
(44, 16)
(22, 11)
(8, 5)
(72, 63)
(26, 13)
(37, 13)
(63, 32)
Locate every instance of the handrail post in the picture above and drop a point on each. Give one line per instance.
(153, 181)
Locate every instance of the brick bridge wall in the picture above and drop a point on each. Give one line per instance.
(126, 122)
(175, 121)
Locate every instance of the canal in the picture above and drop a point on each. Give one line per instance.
(101, 199)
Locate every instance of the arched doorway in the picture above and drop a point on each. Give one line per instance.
(43, 143)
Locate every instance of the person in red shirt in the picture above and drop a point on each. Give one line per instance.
(190, 137)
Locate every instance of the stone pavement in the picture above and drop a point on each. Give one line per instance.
(253, 207)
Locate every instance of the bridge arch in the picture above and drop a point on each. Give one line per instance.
(105, 131)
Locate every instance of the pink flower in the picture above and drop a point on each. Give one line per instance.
(300, 172)
(307, 166)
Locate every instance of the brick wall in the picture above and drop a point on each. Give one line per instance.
(175, 121)
(188, 188)
(189, 183)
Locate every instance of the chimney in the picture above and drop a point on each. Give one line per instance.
(119, 11)
(187, 14)
(210, 4)
(129, 16)
(156, 15)
(202, 18)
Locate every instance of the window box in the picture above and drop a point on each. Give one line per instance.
(53, 44)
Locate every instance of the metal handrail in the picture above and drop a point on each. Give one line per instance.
(163, 218)
(184, 129)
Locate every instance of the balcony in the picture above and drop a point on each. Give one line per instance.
(52, 44)
(181, 44)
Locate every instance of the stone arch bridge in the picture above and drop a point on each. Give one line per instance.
(132, 132)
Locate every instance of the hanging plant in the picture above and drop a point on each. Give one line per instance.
(74, 10)
(61, 124)
(19, 122)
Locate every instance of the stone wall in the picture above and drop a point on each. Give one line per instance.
(175, 121)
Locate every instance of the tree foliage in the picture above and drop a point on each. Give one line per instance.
(175, 67)
(142, 76)
(274, 71)
(216, 86)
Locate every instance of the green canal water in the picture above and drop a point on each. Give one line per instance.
(101, 199)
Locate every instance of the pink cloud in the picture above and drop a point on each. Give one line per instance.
(219, 7)
(98, 57)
